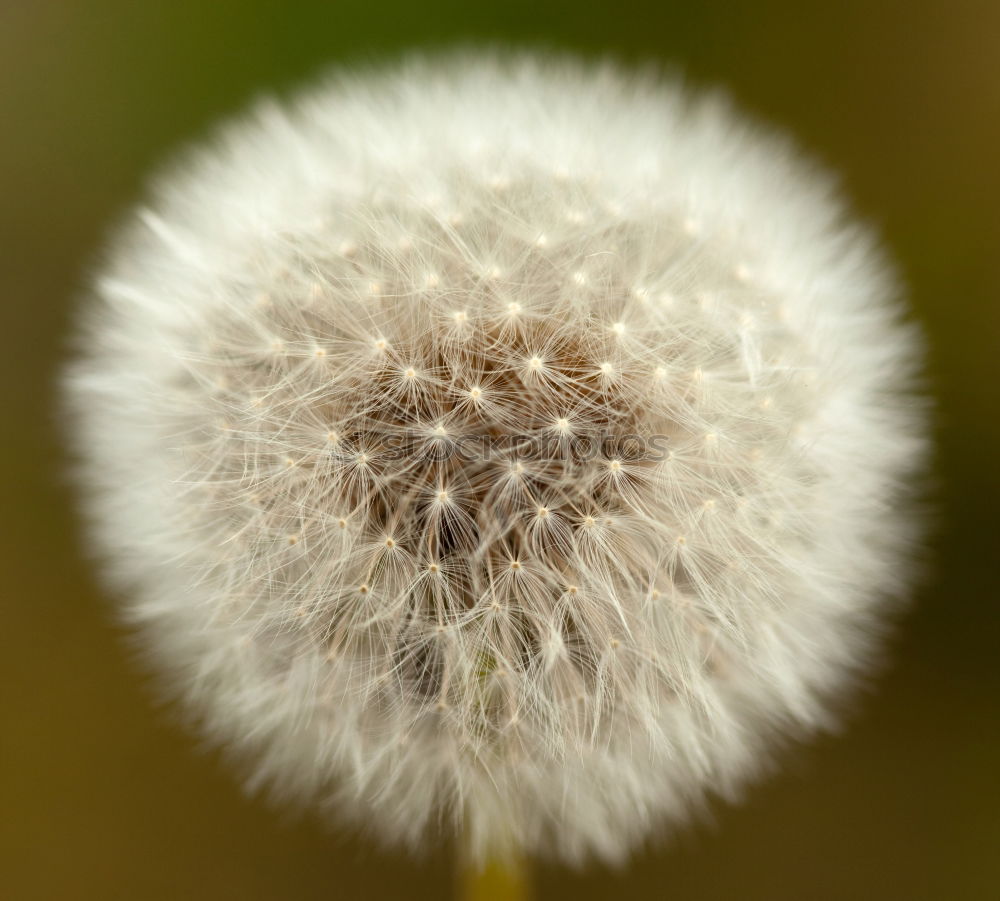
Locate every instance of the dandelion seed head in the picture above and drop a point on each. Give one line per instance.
(559, 654)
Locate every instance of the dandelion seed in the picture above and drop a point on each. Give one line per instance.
(556, 651)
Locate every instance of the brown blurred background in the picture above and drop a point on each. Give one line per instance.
(105, 797)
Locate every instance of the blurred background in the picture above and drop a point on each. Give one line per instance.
(104, 796)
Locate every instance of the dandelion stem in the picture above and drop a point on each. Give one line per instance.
(496, 880)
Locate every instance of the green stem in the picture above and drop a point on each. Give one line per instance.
(497, 880)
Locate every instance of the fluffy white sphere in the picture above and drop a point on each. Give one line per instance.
(354, 402)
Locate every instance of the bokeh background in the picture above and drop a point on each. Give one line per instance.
(104, 796)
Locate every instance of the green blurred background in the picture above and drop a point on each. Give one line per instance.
(105, 797)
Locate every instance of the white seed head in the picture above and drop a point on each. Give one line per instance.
(560, 650)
